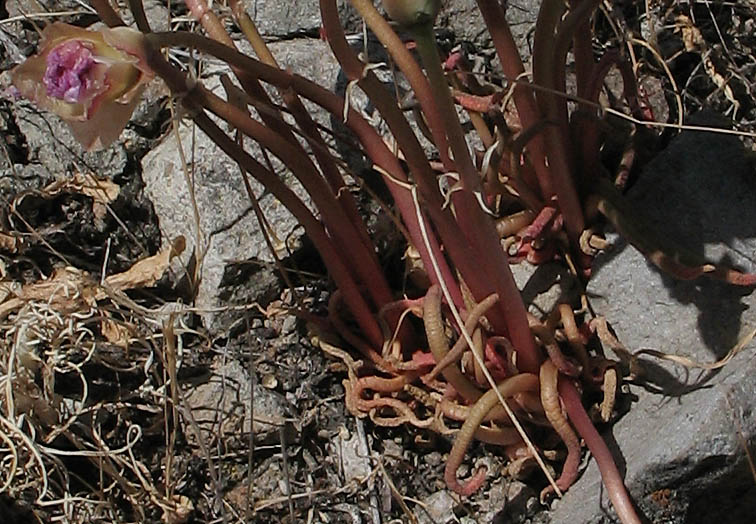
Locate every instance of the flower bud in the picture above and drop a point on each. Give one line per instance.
(412, 12)
(91, 79)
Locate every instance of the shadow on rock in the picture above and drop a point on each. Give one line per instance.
(698, 196)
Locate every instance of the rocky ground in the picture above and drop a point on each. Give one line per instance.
(257, 430)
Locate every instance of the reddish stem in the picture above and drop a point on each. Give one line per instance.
(540, 225)
(399, 126)
(512, 67)
(350, 231)
(615, 486)
(478, 227)
(217, 31)
(106, 13)
(577, 27)
(407, 64)
(337, 268)
(337, 207)
(545, 66)
(490, 273)
(585, 120)
(306, 124)
(337, 221)
(478, 103)
(574, 30)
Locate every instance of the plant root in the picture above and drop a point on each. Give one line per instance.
(461, 345)
(514, 223)
(360, 406)
(546, 335)
(505, 366)
(549, 378)
(508, 388)
(345, 333)
(439, 346)
(611, 384)
(573, 335)
(689, 363)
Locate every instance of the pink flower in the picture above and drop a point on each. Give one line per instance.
(69, 67)
(91, 79)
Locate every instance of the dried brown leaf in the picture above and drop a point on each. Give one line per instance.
(148, 271)
(115, 333)
(101, 190)
(178, 510)
(8, 290)
(694, 42)
(9, 243)
(67, 290)
(70, 289)
(9, 306)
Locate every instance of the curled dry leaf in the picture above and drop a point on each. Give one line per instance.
(101, 190)
(8, 289)
(178, 510)
(67, 290)
(9, 242)
(147, 271)
(115, 333)
(30, 400)
(695, 43)
(70, 289)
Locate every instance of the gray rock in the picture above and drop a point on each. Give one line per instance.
(22, 178)
(544, 286)
(521, 501)
(498, 494)
(464, 19)
(229, 226)
(157, 14)
(680, 443)
(522, 15)
(26, 7)
(352, 510)
(49, 143)
(438, 508)
(230, 231)
(284, 19)
(221, 406)
(288, 18)
(350, 453)
(43, 150)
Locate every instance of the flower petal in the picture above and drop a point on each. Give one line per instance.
(91, 79)
(105, 125)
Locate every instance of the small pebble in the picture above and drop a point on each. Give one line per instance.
(269, 382)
